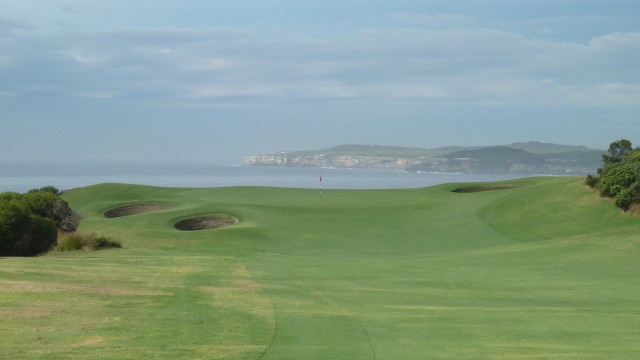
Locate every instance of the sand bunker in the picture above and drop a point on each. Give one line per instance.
(206, 222)
(473, 189)
(133, 209)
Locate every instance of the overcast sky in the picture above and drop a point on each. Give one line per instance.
(213, 81)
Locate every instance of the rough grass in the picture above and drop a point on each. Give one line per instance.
(548, 270)
(85, 241)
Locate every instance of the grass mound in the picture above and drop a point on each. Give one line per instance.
(205, 223)
(133, 210)
(474, 189)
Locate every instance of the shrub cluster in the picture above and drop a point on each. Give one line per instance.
(23, 233)
(619, 178)
(87, 242)
(29, 223)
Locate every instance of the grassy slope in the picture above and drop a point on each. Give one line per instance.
(547, 270)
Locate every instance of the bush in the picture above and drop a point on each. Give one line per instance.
(23, 233)
(30, 225)
(86, 242)
(50, 189)
(628, 196)
(71, 242)
(51, 206)
(620, 177)
(592, 181)
(104, 242)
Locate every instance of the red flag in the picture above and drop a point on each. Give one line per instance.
(320, 178)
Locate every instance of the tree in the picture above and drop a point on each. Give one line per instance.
(617, 151)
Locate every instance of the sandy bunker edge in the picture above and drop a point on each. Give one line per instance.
(481, 188)
(128, 210)
(206, 222)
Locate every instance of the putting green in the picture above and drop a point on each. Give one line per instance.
(546, 269)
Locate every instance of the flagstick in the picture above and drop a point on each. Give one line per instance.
(320, 185)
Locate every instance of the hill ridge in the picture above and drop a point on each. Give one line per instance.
(531, 157)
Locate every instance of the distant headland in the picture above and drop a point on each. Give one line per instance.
(518, 158)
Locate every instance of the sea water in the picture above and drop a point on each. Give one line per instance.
(23, 177)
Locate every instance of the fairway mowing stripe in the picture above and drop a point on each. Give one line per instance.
(481, 308)
(237, 295)
(33, 286)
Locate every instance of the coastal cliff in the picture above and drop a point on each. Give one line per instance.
(539, 158)
(342, 161)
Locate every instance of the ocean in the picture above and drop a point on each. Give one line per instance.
(23, 177)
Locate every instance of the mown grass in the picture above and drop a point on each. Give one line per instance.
(545, 270)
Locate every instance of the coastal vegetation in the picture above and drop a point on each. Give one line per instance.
(534, 268)
(88, 242)
(29, 223)
(619, 177)
(40, 221)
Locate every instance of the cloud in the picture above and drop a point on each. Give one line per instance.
(207, 64)
(9, 27)
(604, 94)
(435, 20)
(477, 67)
(104, 94)
(83, 57)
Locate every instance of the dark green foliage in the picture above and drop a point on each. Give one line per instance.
(51, 206)
(23, 233)
(619, 178)
(9, 196)
(629, 196)
(621, 181)
(617, 151)
(104, 242)
(49, 188)
(40, 202)
(29, 223)
(592, 180)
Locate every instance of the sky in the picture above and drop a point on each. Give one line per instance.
(212, 81)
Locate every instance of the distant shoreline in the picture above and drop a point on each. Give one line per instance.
(203, 176)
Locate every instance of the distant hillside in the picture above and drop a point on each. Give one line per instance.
(372, 150)
(522, 158)
(546, 148)
(505, 159)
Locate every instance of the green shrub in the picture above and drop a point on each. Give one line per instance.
(620, 177)
(48, 188)
(23, 233)
(104, 242)
(592, 181)
(51, 206)
(628, 196)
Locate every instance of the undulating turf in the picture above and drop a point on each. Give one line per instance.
(542, 270)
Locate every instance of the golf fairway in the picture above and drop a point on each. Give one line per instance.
(542, 270)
